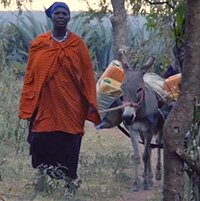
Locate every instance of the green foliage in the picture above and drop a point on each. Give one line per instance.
(25, 29)
(145, 42)
(180, 13)
(10, 44)
(160, 16)
(19, 3)
(9, 93)
(179, 28)
(96, 33)
(154, 36)
(98, 169)
(2, 55)
(100, 43)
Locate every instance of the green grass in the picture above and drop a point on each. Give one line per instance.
(104, 169)
(105, 158)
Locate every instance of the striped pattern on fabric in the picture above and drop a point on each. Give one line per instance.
(59, 83)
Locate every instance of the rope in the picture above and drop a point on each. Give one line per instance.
(114, 108)
(127, 104)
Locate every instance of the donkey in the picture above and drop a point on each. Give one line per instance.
(142, 119)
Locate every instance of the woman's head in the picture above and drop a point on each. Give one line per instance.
(59, 14)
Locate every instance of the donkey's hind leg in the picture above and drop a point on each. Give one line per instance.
(136, 160)
(159, 164)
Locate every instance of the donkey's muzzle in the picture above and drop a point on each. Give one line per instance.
(128, 119)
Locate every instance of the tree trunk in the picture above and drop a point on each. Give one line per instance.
(180, 119)
(119, 25)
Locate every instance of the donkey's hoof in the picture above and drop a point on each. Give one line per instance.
(136, 185)
(146, 186)
(150, 183)
(158, 176)
(135, 188)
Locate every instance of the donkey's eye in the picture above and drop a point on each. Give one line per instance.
(139, 90)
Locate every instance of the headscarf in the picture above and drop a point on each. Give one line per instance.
(54, 6)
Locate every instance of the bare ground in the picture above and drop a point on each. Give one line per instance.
(153, 194)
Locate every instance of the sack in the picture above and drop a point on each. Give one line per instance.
(112, 118)
(110, 81)
(109, 95)
(110, 87)
(171, 86)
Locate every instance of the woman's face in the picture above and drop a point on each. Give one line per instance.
(60, 17)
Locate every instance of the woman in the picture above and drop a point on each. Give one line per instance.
(58, 94)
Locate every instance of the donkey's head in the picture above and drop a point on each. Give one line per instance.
(133, 94)
(133, 88)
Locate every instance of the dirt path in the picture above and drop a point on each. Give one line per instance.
(142, 195)
(152, 194)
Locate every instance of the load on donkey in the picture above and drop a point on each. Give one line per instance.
(135, 101)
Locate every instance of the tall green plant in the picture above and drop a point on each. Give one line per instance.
(96, 33)
(145, 42)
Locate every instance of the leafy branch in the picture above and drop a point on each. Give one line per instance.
(160, 3)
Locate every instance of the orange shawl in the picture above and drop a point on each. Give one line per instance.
(59, 82)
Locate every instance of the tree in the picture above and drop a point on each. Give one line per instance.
(19, 3)
(163, 16)
(180, 118)
(119, 24)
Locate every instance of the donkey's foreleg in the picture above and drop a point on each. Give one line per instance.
(148, 175)
(150, 172)
(136, 161)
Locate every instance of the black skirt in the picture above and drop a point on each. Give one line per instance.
(57, 149)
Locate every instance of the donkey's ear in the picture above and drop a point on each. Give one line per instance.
(122, 57)
(148, 64)
(125, 67)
